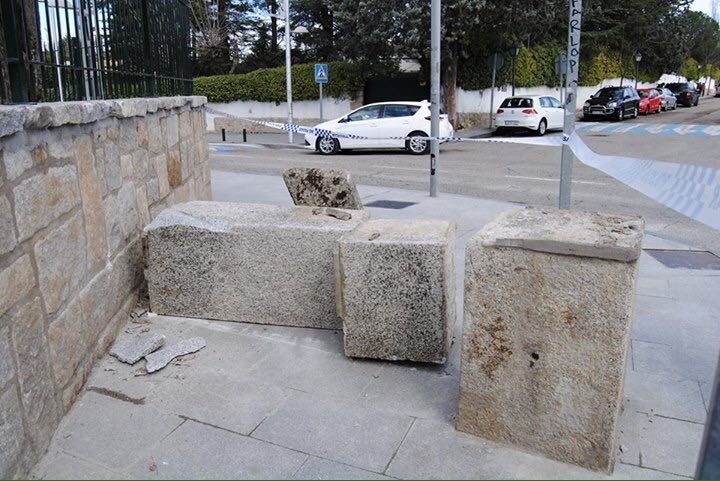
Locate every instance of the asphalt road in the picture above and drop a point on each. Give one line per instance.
(524, 174)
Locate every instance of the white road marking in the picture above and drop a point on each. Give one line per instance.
(547, 179)
(408, 168)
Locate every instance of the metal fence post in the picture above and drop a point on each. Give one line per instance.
(434, 95)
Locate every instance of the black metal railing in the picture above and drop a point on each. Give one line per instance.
(59, 50)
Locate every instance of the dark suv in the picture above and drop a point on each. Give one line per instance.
(612, 102)
(686, 93)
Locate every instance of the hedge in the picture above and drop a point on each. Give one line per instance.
(268, 85)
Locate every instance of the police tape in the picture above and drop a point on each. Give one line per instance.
(691, 190)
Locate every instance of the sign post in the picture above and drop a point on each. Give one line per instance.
(561, 70)
(570, 101)
(322, 74)
(495, 63)
(435, 14)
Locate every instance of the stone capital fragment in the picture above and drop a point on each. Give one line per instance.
(159, 359)
(133, 348)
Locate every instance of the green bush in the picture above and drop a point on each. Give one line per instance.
(690, 69)
(268, 85)
(601, 66)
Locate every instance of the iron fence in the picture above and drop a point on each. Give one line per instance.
(58, 50)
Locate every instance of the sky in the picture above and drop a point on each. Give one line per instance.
(702, 5)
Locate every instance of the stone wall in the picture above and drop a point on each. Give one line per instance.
(78, 181)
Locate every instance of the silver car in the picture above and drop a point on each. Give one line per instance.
(669, 101)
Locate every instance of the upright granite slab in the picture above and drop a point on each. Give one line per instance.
(322, 188)
(396, 289)
(548, 308)
(246, 262)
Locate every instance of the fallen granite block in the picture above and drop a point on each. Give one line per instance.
(396, 289)
(247, 262)
(159, 359)
(548, 309)
(133, 348)
(322, 188)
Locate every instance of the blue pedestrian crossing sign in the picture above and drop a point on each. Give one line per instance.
(321, 73)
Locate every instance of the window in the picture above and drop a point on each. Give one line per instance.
(545, 102)
(516, 103)
(555, 103)
(368, 113)
(609, 92)
(400, 111)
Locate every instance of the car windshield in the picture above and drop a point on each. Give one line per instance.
(676, 87)
(643, 94)
(610, 92)
(516, 103)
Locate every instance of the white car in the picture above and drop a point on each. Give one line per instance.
(536, 113)
(380, 121)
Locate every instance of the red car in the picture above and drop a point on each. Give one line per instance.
(650, 101)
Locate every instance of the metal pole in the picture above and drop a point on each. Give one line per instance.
(709, 463)
(492, 90)
(321, 100)
(637, 72)
(434, 94)
(571, 81)
(513, 78)
(288, 74)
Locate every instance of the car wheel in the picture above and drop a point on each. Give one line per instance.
(621, 114)
(542, 128)
(327, 145)
(417, 146)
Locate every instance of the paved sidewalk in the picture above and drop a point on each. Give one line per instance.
(280, 402)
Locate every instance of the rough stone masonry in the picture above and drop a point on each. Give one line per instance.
(396, 289)
(246, 262)
(548, 307)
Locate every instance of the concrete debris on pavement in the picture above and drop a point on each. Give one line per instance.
(162, 358)
(131, 349)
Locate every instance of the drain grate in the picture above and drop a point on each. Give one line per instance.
(674, 259)
(390, 204)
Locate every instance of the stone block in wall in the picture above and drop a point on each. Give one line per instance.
(172, 131)
(92, 204)
(61, 262)
(142, 134)
(66, 338)
(155, 140)
(395, 287)
(17, 162)
(246, 262)
(43, 198)
(112, 166)
(174, 168)
(8, 240)
(160, 165)
(121, 216)
(322, 188)
(37, 390)
(12, 434)
(7, 369)
(127, 140)
(548, 308)
(16, 281)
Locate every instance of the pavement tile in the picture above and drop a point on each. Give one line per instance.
(654, 287)
(339, 431)
(319, 468)
(706, 390)
(658, 394)
(435, 450)
(628, 471)
(660, 443)
(60, 465)
(328, 340)
(111, 432)
(420, 391)
(198, 451)
(238, 405)
(698, 364)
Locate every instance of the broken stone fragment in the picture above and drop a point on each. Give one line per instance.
(337, 213)
(162, 358)
(131, 349)
(322, 188)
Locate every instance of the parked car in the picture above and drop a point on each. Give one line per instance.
(650, 101)
(686, 93)
(669, 102)
(383, 119)
(612, 102)
(535, 113)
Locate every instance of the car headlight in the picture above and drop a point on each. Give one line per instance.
(612, 105)
(587, 104)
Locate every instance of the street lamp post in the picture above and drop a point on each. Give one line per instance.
(288, 74)
(515, 52)
(638, 58)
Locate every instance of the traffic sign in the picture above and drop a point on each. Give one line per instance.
(495, 61)
(321, 73)
(561, 64)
